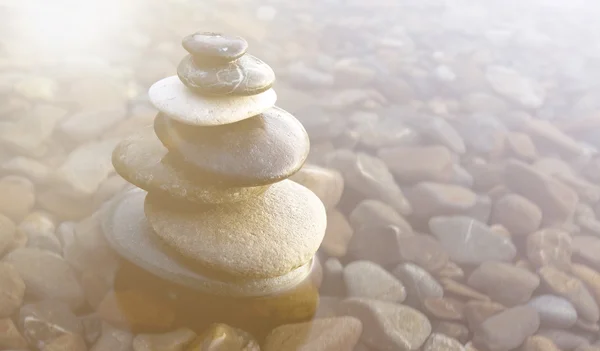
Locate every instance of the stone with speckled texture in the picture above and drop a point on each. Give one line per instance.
(256, 151)
(245, 76)
(142, 160)
(171, 97)
(129, 233)
(271, 235)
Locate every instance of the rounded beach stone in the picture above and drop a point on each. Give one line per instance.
(267, 237)
(504, 282)
(550, 247)
(129, 233)
(214, 47)
(47, 276)
(326, 183)
(142, 160)
(469, 241)
(260, 150)
(171, 97)
(554, 311)
(517, 214)
(245, 76)
(573, 290)
(369, 280)
(507, 329)
(323, 334)
(387, 325)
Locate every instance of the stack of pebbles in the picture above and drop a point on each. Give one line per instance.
(218, 229)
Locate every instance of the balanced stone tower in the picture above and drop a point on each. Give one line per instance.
(216, 229)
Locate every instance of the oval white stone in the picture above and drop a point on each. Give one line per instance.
(171, 97)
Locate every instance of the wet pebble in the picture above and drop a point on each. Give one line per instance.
(47, 276)
(44, 321)
(554, 311)
(564, 339)
(326, 334)
(517, 214)
(414, 164)
(369, 280)
(388, 326)
(430, 199)
(423, 250)
(327, 184)
(539, 343)
(419, 284)
(446, 308)
(370, 211)
(337, 235)
(477, 312)
(507, 329)
(573, 290)
(504, 283)
(550, 247)
(556, 200)
(469, 241)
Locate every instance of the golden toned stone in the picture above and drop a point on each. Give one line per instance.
(142, 160)
(326, 183)
(267, 237)
(324, 334)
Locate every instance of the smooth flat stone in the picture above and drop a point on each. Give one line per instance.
(271, 235)
(214, 47)
(469, 241)
(256, 151)
(245, 76)
(171, 97)
(140, 159)
(129, 233)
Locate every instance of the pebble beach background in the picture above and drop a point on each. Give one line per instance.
(458, 145)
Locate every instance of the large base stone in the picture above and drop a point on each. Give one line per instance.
(196, 310)
(130, 234)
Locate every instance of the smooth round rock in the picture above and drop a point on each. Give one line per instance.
(245, 76)
(142, 160)
(214, 47)
(171, 97)
(272, 235)
(504, 283)
(470, 241)
(129, 233)
(507, 329)
(573, 290)
(256, 151)
(369, 280)
(554, 311)
(387, 325)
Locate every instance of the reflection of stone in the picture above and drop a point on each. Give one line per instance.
(221, 235)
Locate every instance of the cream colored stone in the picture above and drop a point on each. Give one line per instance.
(327, 184)
(266, 237)
(129, 234)
(140, 159)
(171, 97)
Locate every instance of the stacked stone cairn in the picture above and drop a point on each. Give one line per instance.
(216, 226)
